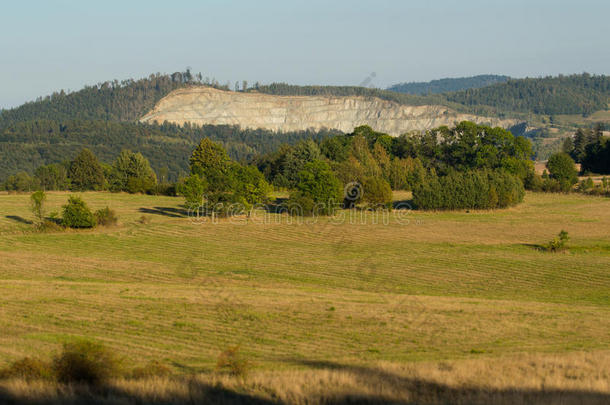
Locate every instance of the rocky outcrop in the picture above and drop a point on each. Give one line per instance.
(205, 105)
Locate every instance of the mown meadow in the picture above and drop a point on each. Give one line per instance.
(348, 292)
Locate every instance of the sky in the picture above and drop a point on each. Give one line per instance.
(50, 45)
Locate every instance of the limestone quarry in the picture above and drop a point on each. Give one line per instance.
(206, 105)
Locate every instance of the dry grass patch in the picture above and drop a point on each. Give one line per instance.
(527, 379)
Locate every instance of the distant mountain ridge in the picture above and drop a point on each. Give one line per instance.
(447, 85)
(564, 94)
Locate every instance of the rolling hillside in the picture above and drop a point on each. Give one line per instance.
(426, 286)
(448, 84)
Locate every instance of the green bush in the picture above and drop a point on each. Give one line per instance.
(131, 172)
(551, 185)
(27, 368)
(562, 168)
(86, 172)
(165, 189)
(299, 204)
(21, 182)
(86, 362)
(226, 204)
(533, 182)
(76, 214)
(193, 189)
(106, 217)
(376, 193)
(480, 189)
(558, 243)
(318, 183)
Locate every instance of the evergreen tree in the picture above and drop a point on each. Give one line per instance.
(132, 172)
(85, 172)
(52, 177)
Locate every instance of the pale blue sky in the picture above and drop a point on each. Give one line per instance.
(51, 45)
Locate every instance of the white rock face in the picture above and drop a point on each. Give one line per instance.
(205, 105)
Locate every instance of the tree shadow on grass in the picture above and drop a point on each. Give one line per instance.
(380, 387)
(165, 211)
(19, 219)
(420, 391)
(195, 392)
(403, 205)
(535, 246)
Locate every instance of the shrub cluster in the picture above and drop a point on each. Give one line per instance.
(81, 361)
(76, 214)
(85, 361)
(558, 243)
(91, 363)
(28, 368)
(106, 217)
(481, 189)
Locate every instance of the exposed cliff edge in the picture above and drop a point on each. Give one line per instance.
(205, 105)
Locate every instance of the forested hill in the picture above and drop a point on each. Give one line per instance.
(448, 84)
(131, 99)
(127, 100)
(573, 94)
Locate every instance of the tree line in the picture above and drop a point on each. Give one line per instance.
(378, 163)
(26, 145)
(590, 148)
(448, 84)
(466, 166)
(130, 172)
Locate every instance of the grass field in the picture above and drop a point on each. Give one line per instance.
(427, 287)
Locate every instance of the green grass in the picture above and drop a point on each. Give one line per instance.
(445, 285)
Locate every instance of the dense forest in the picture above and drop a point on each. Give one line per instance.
(109, 101)
(574, 94)
(590, 148)
(448, 84)
(27, 145)
(127, 100)
(130, 99)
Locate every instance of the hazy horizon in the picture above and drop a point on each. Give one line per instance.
(68, 44)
